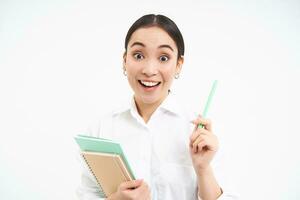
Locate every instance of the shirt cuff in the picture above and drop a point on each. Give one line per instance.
(225, 195)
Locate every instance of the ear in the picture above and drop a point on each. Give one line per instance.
(179, 64)
(124, 60)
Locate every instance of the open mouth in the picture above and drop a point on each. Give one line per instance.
(149, 84)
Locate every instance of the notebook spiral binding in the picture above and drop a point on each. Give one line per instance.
(102, 193)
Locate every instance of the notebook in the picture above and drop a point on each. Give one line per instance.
(106, 161)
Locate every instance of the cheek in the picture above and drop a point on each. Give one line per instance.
(132, 69)
(168, 73)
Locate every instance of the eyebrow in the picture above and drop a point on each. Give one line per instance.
(160, 46)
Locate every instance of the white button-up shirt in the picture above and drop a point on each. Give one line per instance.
(157, 151)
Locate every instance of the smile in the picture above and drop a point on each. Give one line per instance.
(149, 84)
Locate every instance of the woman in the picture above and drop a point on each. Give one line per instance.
(171, 159)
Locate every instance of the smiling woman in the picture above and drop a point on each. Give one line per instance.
(170, 156)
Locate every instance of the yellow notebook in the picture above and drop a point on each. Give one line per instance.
(108, 169)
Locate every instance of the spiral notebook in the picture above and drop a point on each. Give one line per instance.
(106, 161)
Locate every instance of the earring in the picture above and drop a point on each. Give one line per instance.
(176, 76)
(124, 72)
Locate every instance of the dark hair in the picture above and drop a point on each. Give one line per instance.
(160, 21)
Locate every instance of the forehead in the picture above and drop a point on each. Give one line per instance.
(152, 37)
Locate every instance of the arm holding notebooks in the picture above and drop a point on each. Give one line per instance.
(93, 149)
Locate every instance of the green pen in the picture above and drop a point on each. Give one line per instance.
(208, 102)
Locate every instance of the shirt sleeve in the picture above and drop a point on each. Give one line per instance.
(88, 188)
(223, 178)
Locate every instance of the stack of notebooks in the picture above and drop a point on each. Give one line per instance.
(106, 161)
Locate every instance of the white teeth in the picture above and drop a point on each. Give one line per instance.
(149, 84)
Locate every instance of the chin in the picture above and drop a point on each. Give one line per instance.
(150, 99)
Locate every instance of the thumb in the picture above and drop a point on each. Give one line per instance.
(131, 184)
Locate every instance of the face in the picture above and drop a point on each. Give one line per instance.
(151, 64)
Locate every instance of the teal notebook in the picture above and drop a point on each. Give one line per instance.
(94, 144)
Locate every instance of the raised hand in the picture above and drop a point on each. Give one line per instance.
(203, 144)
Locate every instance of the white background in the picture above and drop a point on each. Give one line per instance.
(61, 68)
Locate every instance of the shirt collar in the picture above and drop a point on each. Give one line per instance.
(169, 105)
(134, 111)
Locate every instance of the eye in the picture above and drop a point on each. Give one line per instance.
(163, 58)
(138, 56)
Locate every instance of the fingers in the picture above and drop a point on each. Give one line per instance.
(205, 122)
(142, 192)
(137, 189)
(144, 188)
(201, 140)
(131, 184)
(201, 145)
(197, 133)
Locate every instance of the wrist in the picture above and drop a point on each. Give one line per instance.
(203, 171)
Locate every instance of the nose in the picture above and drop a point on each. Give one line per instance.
(150, 68)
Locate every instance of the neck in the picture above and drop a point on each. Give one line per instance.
(146, 110)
